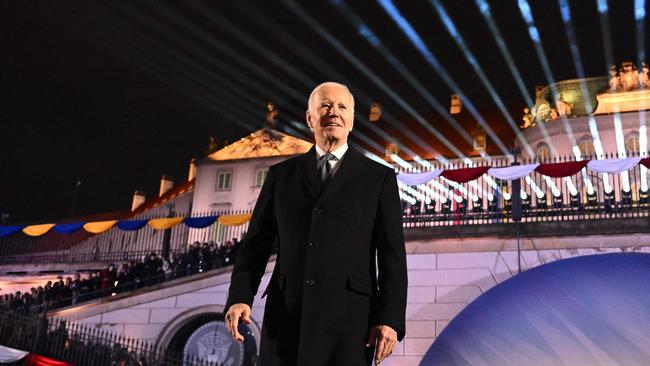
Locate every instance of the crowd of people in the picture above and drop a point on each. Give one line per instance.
(150, 270)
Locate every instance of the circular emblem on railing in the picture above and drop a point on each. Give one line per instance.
(211, 342)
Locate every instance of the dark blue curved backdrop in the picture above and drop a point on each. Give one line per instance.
(590, 310)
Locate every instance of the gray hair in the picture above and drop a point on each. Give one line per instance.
(312, 96)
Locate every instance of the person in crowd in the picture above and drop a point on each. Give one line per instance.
(168, 266)
(122, 280)
(193, 258)
(153, 268)
(217, 259)
(75, 288)
(107, 280)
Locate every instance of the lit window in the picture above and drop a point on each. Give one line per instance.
(586, 148)
(260, 176)
(224, 181)
(543, 152)
(632, 143)
(480, 142)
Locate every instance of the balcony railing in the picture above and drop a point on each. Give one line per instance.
(585, 195)
(534, 198)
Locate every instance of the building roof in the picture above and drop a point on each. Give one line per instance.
(174, 192)
(263, 143)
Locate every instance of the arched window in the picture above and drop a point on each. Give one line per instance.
(586, 147)
(632, 143)
(543, 152)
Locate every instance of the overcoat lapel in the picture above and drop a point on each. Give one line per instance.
(344, 172)
(307, 169)
(308, 173)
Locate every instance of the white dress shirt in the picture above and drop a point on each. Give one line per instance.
(339, 152)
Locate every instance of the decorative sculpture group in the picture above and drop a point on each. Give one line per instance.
(624, 79)
(543, 112)
(627, 78)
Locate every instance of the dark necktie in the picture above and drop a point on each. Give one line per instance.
(325, 168)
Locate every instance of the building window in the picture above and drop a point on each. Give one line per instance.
(586, 148)
(260, 176)
(543, 152)
(391, 149)
(224, 180)
(632, 143)
(480, 142)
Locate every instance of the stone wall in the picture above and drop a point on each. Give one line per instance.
(441, 285)
(444, 276)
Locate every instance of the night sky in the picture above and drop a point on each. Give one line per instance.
(115, 94)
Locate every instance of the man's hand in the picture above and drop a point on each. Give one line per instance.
(385, 338)
(235, 312)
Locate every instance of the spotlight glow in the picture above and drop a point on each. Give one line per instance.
(565, 10)
(602, 6)
(264, 75)
(549, 182)
(496, 34)
(639, 9)
(620, 139)
(541, 55)
(575, 53)
(458, 38)
(639, 15)
(334, 42)
(405, 197)
(374, 40)
(376, 158)
(538, 192)
(571, 186)
(419, 44)
(603, 10)
(401, 162)
(411, 191)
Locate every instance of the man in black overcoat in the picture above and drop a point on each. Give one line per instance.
(338, 291)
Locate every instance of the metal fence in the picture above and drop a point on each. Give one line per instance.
(115, 244)
(584, 196)
(81, 345)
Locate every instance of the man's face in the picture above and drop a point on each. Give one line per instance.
(331, 115)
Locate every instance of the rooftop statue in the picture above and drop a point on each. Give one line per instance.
(644, 81)
(563, 108)
(628, 76)
(628, 91)
(529, 119)
(271, 114)
(613, 79)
